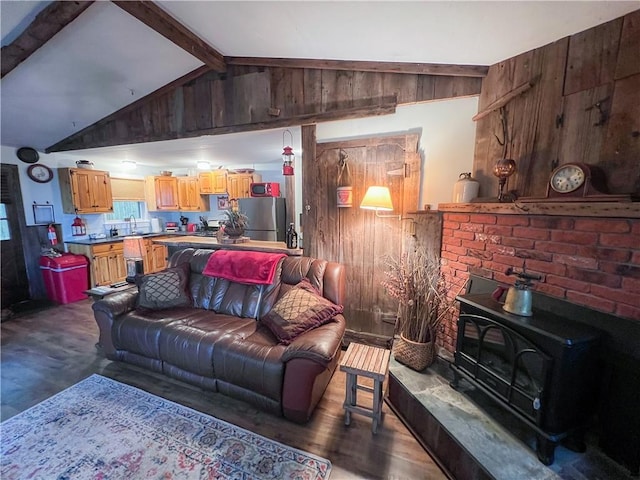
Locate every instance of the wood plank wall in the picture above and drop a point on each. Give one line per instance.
(252, 98)
(354, 237)
(584, 106)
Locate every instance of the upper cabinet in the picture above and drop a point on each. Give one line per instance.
(213, 182)
(161, 193)
(174, 193)
(85, 190)
(239, 184)
(189, 197)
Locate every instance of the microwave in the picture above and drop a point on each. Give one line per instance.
(269, 189)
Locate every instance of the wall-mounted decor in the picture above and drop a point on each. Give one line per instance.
(223, 202)
(40, 173)
(43, 214)
(28, 155)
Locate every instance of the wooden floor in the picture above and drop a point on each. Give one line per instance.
(48, 351)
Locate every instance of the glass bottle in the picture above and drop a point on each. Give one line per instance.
(292, 237)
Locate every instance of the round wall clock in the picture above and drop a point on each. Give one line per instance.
(40, 173)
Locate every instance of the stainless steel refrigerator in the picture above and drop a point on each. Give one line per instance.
(267, 218)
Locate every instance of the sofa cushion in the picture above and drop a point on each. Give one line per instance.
(299, 310)
(190, 342)
(165, 289)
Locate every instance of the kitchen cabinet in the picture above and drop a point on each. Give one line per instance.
(85, 190)
(161, 193)
(213, 182)
(159, 257)
(239, 184)
(174, 193)
(155, 258)
(106, 262)
(189, 197)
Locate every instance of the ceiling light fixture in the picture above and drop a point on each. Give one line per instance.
(129, 165)
(203, 166)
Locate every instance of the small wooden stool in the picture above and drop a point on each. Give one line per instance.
(371, 362)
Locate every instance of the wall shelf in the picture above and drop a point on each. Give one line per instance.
(572, 209)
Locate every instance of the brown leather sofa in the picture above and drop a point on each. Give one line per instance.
(219, 343)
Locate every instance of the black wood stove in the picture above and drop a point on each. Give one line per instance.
(543, 368)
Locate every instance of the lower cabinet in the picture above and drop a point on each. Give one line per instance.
(155, 258)
(107, 264)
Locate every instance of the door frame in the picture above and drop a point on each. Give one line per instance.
(15, 193)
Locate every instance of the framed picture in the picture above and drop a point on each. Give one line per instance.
(43, 214)
(223, 202)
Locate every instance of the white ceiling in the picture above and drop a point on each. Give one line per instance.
(106, 59)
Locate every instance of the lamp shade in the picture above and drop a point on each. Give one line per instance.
(133, 247)
(377, 198)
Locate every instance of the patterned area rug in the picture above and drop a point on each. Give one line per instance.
(102, 429)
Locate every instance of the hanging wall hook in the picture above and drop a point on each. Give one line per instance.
(343, 158)
(505, 132)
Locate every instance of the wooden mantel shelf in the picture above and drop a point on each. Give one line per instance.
(573, 209)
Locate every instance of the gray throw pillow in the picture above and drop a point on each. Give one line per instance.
(165, 289)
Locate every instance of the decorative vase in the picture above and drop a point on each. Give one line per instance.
(232, 232)
(415, 355)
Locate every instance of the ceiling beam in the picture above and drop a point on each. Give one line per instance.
(47, 23)
(364, 66)
(157, 19)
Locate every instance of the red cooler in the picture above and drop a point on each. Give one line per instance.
(65, 277)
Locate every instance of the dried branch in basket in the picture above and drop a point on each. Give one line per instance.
(417, 282)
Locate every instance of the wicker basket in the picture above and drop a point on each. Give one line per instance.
(417, 356)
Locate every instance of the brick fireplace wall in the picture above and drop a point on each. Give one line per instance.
(593, 262)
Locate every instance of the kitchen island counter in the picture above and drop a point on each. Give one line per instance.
(119, 238)
(193, 241)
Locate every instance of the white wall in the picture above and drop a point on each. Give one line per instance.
(446, 142)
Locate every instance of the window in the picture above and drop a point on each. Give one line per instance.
(124, 209)
(5, 232)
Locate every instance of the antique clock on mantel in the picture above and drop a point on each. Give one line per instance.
(577, 182)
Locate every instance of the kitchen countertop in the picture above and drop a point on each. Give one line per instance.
(98, 241)
(193, 241)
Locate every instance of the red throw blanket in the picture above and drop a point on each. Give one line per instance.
(254, 268)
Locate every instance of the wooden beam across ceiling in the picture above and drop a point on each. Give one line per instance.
(157, 19)
(53, 18)
(364, 66)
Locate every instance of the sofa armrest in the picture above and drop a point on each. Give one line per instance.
(117, 304)
(320, 344)
(106, 311)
